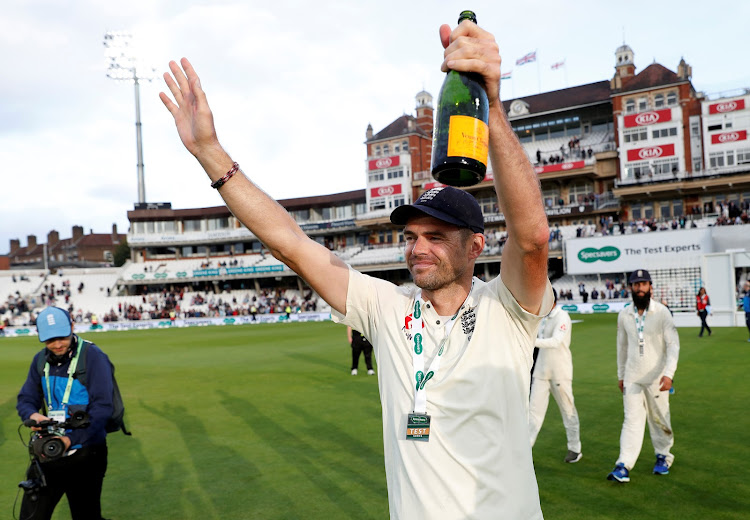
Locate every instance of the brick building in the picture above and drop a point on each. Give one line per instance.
(397, 156)
(81, 250)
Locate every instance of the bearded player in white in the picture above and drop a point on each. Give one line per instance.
(647, 351)
(553, 372)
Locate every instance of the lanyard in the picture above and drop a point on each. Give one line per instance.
(640, 323)
(69, 386)
(417, 355)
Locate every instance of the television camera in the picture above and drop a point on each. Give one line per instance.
(46, 445)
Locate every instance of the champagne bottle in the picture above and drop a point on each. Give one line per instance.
(461, 136)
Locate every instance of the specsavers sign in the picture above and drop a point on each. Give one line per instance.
(625, 253)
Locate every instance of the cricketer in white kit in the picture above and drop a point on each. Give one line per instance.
(553, 373)
(648, 348)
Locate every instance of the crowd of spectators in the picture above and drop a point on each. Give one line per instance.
(12, 307)
(729, 214)
(611, 291)
(170, 304)
(164, 303)
(607, 225)
(573, 151)
(733, 214)
(495, 241)
(208, 264)
(55, 295)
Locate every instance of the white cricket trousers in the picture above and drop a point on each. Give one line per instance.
(642, 402)
(562, 391)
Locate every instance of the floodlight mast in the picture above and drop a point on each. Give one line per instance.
(124, 66)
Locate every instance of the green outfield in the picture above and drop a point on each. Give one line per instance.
(265, 422)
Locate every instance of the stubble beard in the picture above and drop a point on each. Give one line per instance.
(437, 279)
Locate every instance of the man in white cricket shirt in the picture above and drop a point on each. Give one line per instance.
(454, 353)
(647, 351)
(553, 373)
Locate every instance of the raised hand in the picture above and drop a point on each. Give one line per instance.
(192, 115)
(469, 48)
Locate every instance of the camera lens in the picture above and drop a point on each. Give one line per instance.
(53, 448)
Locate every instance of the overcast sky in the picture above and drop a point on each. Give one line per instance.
(292, 84)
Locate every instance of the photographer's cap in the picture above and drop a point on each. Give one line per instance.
(640, 275)
(53, 322)
(446, 203)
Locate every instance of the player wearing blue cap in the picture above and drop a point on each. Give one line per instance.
(647, 351)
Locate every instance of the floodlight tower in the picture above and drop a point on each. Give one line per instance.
(124, 65)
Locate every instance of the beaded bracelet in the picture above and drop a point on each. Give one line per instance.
(219, 183)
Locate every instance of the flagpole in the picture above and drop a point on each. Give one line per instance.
(565, 70)
(538, 73)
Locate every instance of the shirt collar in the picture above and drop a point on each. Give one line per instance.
(469, 303)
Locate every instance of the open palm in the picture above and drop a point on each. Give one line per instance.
(192, 115)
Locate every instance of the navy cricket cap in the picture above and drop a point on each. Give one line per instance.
(446, 203)
(53, 322)
(640, 275)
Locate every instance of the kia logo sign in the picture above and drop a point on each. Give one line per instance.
(567, 166)
(650, 153)
(383, 163)
(729, 137)
(647, 118)
(385, 191)
(726, 107)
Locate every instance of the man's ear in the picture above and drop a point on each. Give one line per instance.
(477, 245)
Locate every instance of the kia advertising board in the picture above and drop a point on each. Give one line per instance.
(729, 137)
(625, 253)
(648, 118)
(651, 152)
(726, 106)
(560, 167)
(383, 162)
(385, 191)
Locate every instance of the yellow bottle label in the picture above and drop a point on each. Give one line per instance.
(468, 137)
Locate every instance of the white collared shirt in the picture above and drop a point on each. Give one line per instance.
(477, 463)
(661, 345)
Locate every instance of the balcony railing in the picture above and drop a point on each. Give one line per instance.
(653, 178)
(712, 96)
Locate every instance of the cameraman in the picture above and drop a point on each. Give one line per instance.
(79, 472)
